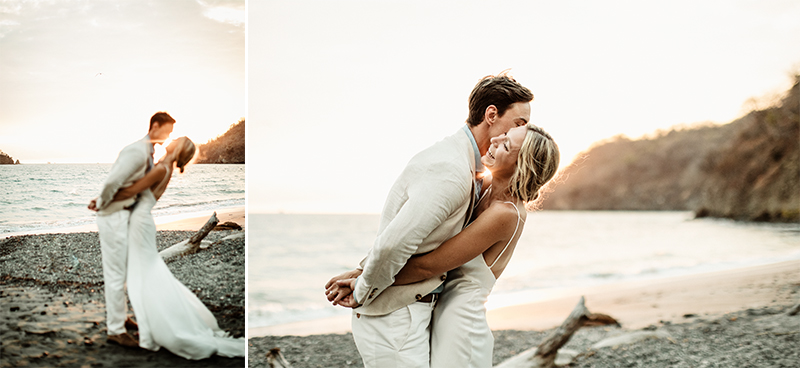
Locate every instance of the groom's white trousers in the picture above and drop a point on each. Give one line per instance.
(399, 339)
(113, 230)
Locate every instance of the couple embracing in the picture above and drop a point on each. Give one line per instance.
(168, 314)
(446, 233)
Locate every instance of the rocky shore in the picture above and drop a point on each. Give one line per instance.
(52, 305)
(755, 337)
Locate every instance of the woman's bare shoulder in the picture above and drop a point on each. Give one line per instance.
(502, 213)
(161, 167)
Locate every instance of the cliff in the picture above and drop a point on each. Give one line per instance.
(748, 169)
(756, 176)
(5, 159)
(228, 148)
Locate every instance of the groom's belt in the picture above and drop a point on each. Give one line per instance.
(431, 296)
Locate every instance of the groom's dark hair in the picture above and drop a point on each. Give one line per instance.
(161, 118)
(501, 91)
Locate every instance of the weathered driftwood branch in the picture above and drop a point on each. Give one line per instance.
(794, 310)
(547, 353)
(191, 245)
(228, 225)
(276, 360)
(205, 243)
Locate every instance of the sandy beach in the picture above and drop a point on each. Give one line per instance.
(713, 319)
(51, 291)
(187, 221)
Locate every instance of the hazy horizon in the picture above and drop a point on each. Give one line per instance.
(81, 79)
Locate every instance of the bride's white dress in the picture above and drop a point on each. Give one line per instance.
(168, 313)
(460, 335)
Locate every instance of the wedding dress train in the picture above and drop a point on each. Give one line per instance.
(168, 313)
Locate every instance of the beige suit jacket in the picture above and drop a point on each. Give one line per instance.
(130, 166)
(427, 205)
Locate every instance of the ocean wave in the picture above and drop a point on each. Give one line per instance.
(51, 197)
(232, 191)
(272, 314)
(202, 204)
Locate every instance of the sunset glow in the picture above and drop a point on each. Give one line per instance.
(374, 90)
(91, 74)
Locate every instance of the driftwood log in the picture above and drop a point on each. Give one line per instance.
(227, 225)
(794, 310)
(276, 360)
(191, 245)
(547, 354)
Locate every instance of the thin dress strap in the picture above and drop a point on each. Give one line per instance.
(519, 218)
(159, 190)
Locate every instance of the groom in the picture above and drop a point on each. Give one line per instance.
(132, 163)
(429, 203)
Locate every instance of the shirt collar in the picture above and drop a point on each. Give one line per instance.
(478, 163)
(152, 145)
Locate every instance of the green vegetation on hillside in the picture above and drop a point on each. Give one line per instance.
(228, 148)
(748, 169)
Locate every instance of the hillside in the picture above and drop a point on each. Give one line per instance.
(5, 159)
(748, 169)
(228, 148)
(756, 176)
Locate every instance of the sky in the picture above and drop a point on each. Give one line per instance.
(80, 79)
(341, 94)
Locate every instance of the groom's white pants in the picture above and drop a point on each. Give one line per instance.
(113, 230)
(399, 339)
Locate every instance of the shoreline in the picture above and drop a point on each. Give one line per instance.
(731, 318)
(190, 221)
(635, 304)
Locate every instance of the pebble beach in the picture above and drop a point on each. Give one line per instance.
(736, 318)
(52, 311)
(758, 337)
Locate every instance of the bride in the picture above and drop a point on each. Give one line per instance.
(168, 313)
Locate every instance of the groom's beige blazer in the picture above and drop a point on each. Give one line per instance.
(130, 166)
(427, 205)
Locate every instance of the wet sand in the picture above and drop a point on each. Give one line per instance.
(189, 221)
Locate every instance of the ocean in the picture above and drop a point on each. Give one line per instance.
(48, 197)
(292, 256)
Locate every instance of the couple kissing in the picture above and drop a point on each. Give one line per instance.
(447, 231)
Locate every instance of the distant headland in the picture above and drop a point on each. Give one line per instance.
(748, 169)
(5, 159)
(228, 148)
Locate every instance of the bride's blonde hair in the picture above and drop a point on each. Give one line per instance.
(537, 164)
(186, 150)
(186, 153)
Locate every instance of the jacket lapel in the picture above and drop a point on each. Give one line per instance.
(472, 194)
